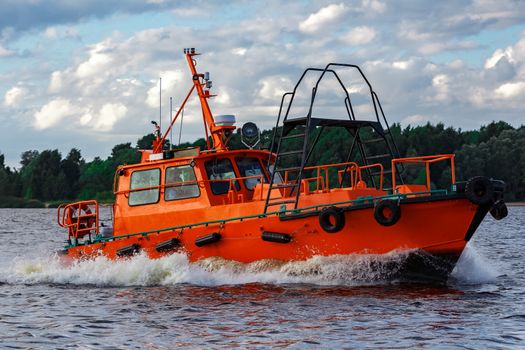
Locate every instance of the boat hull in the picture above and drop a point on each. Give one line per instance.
(439, 227)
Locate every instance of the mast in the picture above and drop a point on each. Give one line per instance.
(220, 133)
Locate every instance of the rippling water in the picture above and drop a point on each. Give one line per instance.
(335, 302)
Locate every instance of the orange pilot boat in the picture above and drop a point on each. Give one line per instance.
(255, 204)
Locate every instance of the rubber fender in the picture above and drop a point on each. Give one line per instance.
(332, 219)
(207, 239)
(166, 246)
(479, 190)
(128, 250)
(387, 212)
(499, 210)
(276, 237)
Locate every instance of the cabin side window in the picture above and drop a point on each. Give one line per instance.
(220, 171)
(140, 192)
(249, 167)
(181, 183)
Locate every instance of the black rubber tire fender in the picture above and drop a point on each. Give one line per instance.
(332, 219)
(499, 210)
(479, 190)
(380, 213)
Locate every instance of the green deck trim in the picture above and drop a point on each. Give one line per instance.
(359, 200)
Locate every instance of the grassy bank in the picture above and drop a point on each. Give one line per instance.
(16, 202)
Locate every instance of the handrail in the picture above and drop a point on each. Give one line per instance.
(200, 183)
(73, 215)
(381, 170)
(427, 160)
(322, 178)
(279, 213)
(319, 168)
(359, 174)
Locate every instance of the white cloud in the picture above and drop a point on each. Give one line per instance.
(510, 90)
(321, 18)
(499, 54)
(223, 97)
(360, 35)
(98, 61)
(14, 95)
(416, 119)
(55, 83)
(108, 115)
(51, 33)
(53, 112)
(374, 5)
(441, 86)
(169, 84)
(402, 65)
(54, 33)
(241, 51)
(432, 48)
(5, 52)
(273, 88)
(188, 12)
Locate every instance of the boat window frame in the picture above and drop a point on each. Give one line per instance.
(168, 185)
(261, 165)
(211, 182)
(147, 188)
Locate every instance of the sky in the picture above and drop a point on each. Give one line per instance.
(85, 74)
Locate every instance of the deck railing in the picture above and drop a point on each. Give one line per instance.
(427, 161)
(80, 218)
(319, 182)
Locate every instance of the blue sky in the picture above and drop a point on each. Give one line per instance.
(85, 74)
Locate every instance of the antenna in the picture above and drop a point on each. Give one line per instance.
(171, 120)
(181, 120)
(160, 103)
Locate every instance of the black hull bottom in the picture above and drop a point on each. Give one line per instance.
(422, 267)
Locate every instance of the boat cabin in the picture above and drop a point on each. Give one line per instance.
(202, 180)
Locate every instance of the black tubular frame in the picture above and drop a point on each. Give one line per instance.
(352, 125)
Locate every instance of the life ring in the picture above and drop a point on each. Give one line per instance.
(71, 219)
(387, 212)
(479, 190)
(499, 210)
(332, 219)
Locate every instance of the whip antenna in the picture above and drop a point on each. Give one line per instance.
(171, 120)
(160, 103)
(181, 120)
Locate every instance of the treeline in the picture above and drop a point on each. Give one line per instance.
(495, 150)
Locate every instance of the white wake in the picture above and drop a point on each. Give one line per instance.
(354, 270)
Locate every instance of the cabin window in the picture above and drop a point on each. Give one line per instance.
(250, 167)
(181, 183)
(140, 191)
(220, 171)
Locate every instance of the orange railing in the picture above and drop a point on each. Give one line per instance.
(80, 218)
(355, 171)
(321, 177)
(323, 183)
(426, 160)
(356, 174)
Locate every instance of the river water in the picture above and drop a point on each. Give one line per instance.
(323, 303)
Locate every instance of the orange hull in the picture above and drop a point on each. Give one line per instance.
(435, 226)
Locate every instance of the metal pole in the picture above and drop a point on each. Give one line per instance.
(171, 120)
(181, 120)
(160, 104)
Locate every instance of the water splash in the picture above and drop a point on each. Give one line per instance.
(176, 269)
(353, 270)
(473, 268)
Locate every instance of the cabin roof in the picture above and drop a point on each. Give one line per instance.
(203, 155)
